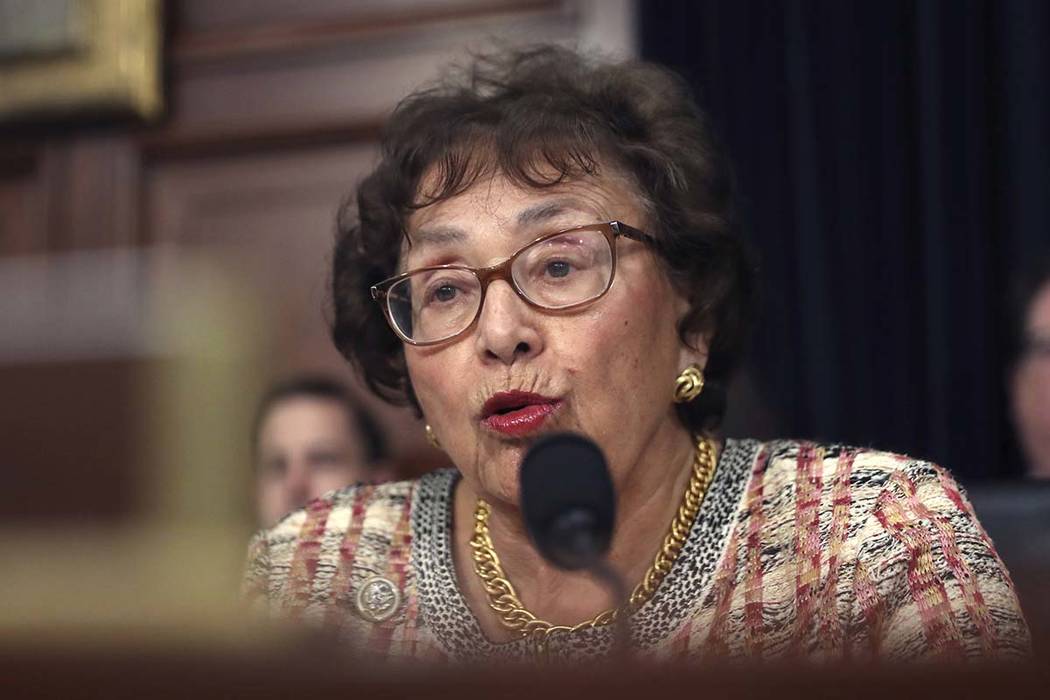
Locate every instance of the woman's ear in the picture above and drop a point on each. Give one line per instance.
(694, 351)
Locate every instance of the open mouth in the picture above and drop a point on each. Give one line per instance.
(517, 413)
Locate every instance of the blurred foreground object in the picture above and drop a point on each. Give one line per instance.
(317, 674)
(143, 358)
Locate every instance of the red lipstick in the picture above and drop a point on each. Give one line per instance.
(517, 413)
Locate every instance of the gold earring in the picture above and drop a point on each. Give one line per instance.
(689, 384)
(431, 437)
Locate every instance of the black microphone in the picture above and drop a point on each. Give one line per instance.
(569, 507)
(567, 500)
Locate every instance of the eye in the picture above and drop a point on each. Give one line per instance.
(445, 292)
(273, 466)
(325, 461)
(442, 292)
(558, 268)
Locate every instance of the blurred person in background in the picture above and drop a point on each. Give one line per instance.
(310, 437)
(549, 243)
(1030, 390)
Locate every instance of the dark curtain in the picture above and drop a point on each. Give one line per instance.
(892, 160)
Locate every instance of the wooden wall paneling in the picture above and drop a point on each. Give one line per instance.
(253, 76)
(355, 79)
(33, 203)
(102, 193)
(54, 176)
(276, 213)
(207, 16)
(22, 226)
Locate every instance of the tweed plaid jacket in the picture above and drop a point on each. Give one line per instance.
(800, 550)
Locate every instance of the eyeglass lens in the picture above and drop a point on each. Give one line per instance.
(554, 273)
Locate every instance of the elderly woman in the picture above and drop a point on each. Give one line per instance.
(549, 245)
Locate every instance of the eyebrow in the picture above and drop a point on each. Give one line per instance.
(545, 211)
(438, 235)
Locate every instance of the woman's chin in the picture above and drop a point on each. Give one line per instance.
(497, 469)
(499, 483)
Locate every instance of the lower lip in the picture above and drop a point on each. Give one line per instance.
(522, 421)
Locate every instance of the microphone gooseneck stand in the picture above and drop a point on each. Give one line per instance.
(569, 506)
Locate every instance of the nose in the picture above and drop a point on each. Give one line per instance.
(506, 327)
(297, 483)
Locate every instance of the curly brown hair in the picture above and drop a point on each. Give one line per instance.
(541, 116)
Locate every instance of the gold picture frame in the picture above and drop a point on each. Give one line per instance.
(71, 56)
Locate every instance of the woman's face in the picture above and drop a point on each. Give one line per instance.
(606, 370)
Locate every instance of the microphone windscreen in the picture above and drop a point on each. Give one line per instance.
(564, 474)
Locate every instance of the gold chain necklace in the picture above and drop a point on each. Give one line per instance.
(503, 599)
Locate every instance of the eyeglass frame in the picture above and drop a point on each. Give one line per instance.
(502, 271)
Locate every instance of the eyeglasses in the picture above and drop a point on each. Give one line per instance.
(558, 271)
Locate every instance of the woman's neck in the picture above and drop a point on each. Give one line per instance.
(647, 498)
